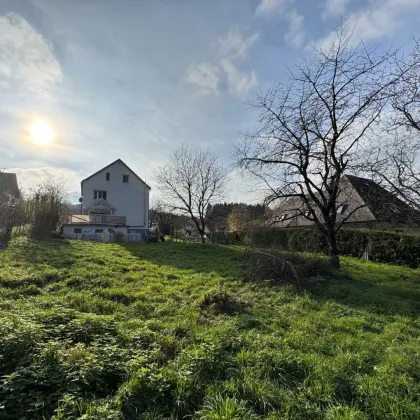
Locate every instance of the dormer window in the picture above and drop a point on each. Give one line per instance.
(108, 176)
(339, 208)
(125, 179)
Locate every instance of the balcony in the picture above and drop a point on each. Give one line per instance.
(96, 219)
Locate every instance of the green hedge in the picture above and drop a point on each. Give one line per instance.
(390, 248)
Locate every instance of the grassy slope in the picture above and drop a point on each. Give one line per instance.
(118, 331)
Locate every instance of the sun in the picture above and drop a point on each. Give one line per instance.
(42, 133)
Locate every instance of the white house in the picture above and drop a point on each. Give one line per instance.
(114, 206)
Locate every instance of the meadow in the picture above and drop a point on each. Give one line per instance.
(173, 331)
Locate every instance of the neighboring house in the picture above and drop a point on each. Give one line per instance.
(9, 185)
(115, 201)
(365, 205)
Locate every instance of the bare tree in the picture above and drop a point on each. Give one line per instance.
(45, 207)
(312, 128)
(191, 181)
(396, 162)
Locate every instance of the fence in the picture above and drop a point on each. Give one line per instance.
(110, 237)
(96, 219)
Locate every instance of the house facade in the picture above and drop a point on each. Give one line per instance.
(361, 203)
(114, 206)
(9, 185)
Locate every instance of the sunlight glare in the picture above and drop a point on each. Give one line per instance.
(42, 134)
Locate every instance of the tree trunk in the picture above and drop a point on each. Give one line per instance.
(333, 248)
(203, 237)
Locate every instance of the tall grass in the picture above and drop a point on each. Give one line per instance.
(171, 331)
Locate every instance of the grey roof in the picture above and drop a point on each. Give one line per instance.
(9, 184)
(384, 205)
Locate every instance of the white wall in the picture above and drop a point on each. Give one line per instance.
(131, 200)
(89, 232)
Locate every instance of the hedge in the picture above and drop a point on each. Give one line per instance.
(390, 248)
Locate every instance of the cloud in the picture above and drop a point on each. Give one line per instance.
(380, 19)
(334, 8)
(31, 178)
(268, 7)
(205, 76)
(238, 82)
(295, 34)
(234, 45)
(26, 57)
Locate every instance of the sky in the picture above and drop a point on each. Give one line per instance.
(135, 79)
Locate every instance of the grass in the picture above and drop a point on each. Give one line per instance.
(171, 331)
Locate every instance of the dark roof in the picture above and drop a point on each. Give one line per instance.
(9, 184)
(384, 205)
(118, 160)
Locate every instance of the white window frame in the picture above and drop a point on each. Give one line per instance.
(340, 208)
(100, 194)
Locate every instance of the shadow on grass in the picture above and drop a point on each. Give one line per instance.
(376, 288)
(201, 258)
(57, 253)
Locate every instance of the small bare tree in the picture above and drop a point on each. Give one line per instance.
(45, 208)
(312, 127)
(191, 181)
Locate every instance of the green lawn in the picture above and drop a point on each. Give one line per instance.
(109, 331)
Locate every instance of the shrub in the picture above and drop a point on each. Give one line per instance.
(281, 268)
(385, 247)
(220, 301)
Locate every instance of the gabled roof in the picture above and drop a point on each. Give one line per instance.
(380, 205)
(384, 205)
(106, 167)
(9, 184)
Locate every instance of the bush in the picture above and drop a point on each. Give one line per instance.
(384, 247)
(152, 240)
(221, 302)
(282, 268)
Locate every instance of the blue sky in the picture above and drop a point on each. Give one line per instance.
(134, 79)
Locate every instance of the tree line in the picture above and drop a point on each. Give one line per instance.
(236, 217)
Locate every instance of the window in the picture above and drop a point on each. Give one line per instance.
(99, 194)
(125, 179)
(307, 213)
(77, 230)
(108, 176)
(283, 217)
(339, 208)
(99, 231)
